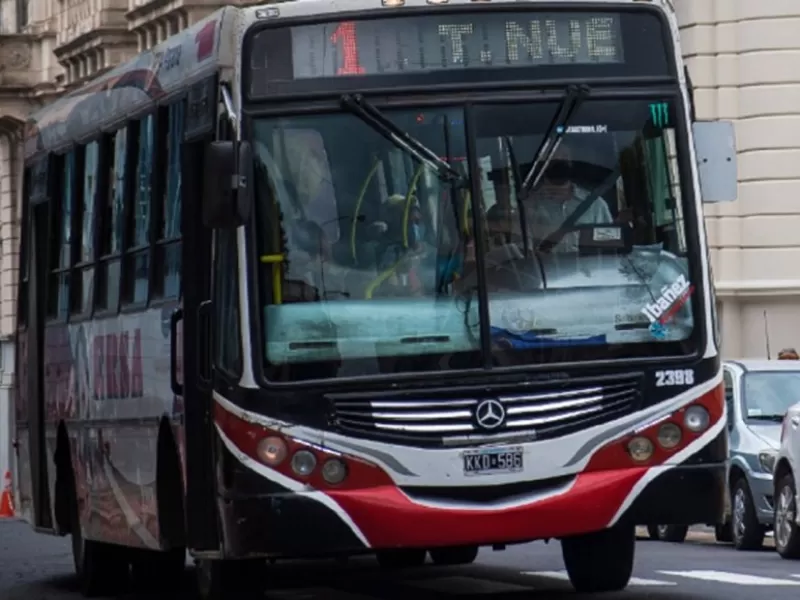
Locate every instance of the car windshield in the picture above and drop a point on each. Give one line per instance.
(768, 395)
(368, 253)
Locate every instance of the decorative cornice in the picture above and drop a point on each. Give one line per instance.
(74, 46)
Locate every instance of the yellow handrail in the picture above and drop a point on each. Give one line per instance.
(276, 260)
(380, 279)
(412, 187)
(357, 210)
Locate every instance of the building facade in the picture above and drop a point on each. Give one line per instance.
(28, 80)
(743, 58)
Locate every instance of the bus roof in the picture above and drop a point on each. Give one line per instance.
(166, 71)
(134, 87)
(309, 8)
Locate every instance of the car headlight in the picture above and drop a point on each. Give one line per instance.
(766, 459)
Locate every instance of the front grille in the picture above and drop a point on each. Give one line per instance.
(447, 417)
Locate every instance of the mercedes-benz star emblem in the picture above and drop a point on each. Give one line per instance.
(490, 414)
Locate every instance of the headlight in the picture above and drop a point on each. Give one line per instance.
(669, 435)
(304, 462)
(767, 460)
(696, 418)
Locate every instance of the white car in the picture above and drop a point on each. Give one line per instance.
(786, 475)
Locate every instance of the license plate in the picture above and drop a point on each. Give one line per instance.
(489, 461)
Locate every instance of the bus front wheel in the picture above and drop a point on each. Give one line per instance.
(220, 579)
(600, 561)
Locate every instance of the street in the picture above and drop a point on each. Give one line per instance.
(35, 567)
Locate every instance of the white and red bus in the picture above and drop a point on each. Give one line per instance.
(402, 277)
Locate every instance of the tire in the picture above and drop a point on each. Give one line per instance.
(458, 555)
(101, 569)
(225, 579)
(652, 531)
(723, 533)
(405, 558)
(748, 533)
(162, 571)
(786, 534)
(673, 533)
(600, 561)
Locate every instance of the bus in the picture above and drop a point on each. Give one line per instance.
(405, 278)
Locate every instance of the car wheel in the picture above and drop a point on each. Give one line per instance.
(748, 533)
(600, 561)
(672, 533)
(787, 536)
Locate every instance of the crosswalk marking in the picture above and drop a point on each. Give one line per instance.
(562, 575)
(735, 578)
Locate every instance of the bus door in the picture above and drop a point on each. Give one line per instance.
(201, 495)
(37, 243)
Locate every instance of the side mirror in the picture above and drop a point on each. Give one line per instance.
(715, 147)
(227, 184)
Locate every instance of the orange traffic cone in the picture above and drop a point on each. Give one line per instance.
(7, 499)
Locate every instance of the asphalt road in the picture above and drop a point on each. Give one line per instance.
(34, 567)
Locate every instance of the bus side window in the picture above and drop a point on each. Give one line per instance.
(59, 255)
(110, 200)
(168, 192)
(728, 379)
(136, 262)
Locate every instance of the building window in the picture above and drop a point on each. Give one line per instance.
(22, 14)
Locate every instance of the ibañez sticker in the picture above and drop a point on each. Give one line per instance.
(662, 309)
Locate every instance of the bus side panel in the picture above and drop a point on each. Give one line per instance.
(120, 374)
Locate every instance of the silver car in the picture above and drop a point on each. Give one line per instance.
(758, 393)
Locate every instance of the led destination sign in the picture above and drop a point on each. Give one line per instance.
(441, 42)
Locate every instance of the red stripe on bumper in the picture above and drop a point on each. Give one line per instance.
(388, 518)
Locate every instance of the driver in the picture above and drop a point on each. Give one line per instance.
(557, 198)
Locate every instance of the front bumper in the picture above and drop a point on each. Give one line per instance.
(282, 523)
(762, 489)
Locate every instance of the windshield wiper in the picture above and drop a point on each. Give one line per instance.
(368, 113)
(515, 172)
(573, 97)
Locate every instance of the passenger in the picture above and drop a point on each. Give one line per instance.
(557, 198)
(788, 354)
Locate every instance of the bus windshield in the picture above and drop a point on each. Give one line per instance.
(368, 256)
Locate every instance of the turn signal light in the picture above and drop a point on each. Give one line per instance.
(641, 449)
(272, 450)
